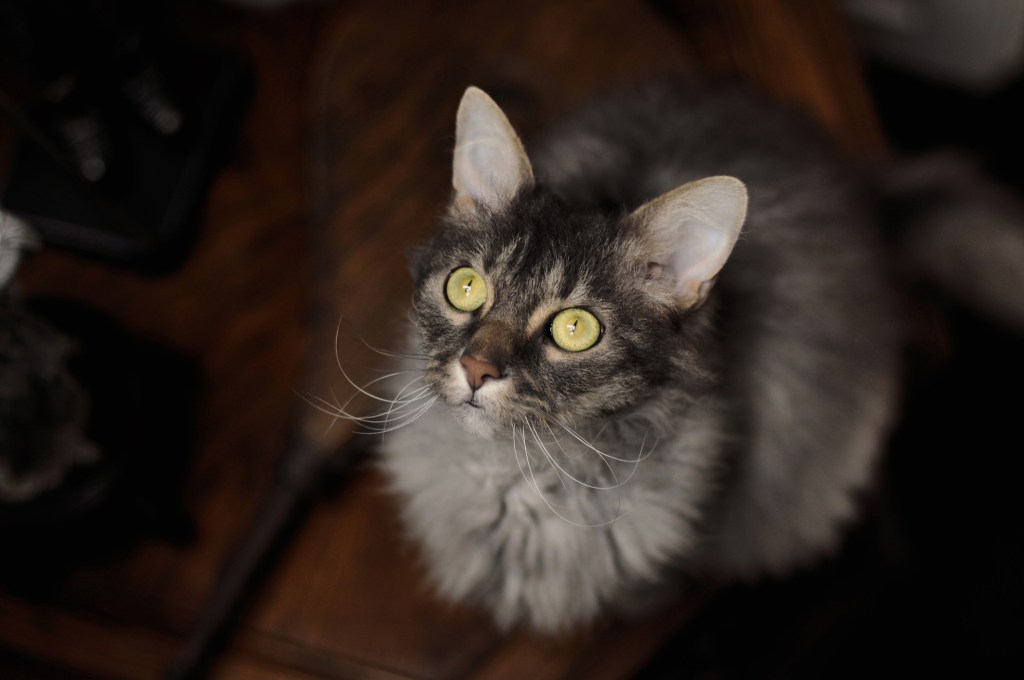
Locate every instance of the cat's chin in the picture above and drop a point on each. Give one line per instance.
(475, 420)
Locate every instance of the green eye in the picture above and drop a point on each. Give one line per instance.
(466, 289)
(575, 330)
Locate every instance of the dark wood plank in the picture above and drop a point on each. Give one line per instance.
(797, 52)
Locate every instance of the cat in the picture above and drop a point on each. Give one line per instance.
(664, 343)
(43, 409)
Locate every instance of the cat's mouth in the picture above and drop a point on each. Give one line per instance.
(477, 417)
(491, 408)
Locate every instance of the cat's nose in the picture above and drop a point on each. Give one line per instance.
(478, 370)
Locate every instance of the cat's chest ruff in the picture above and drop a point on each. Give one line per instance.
(508, 492)
(526, 455)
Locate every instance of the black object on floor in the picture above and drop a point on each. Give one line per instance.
(146, 213)
(142, 419)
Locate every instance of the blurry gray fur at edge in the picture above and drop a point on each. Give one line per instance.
(725, 430)
(43, 410)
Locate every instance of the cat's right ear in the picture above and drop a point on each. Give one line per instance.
(690, 233)
(490, 163)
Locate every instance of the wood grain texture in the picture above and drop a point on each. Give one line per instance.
(344, 159)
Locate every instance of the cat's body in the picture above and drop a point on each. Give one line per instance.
(723, 429)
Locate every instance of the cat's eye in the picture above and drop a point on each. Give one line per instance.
(575, 330)
(466, 289)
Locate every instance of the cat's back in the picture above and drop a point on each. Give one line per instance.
(631, 145)
(807, 330)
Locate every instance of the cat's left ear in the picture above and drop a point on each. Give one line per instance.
(690, 233)
(490, 163)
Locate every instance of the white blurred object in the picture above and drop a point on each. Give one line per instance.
(975, 44)
(15, 237)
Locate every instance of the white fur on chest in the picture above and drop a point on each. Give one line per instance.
(502, 525)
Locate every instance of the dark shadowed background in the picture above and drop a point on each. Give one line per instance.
(201, 278)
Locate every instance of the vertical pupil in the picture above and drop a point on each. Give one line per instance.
(572, 326)
(468, 286)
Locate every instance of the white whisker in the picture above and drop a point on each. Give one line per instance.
(321, 405)
(379, 424)
(403, 408)
(403, 403)
(551, 507)
(392, 354)
(339, 413)
(633, 461)
(337, 359)
(406, 419)
(550, 458)
(605, 456)
(568, 474)
(392, 375)
(398, 397)
(607, 465)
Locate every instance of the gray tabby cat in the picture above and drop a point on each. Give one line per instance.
(665, 345)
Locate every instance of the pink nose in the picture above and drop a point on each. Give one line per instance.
(477, 371)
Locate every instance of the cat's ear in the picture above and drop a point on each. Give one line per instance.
(490, 164)
(690, 232)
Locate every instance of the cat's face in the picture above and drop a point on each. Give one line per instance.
(541, 314)
(534, 313)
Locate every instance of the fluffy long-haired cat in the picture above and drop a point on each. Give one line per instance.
(662, 343)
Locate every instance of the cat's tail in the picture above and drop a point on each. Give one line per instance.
(958, 231)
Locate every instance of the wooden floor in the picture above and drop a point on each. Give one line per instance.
(343, 159)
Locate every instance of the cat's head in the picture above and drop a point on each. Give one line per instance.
(532, 310)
